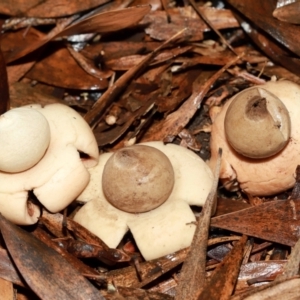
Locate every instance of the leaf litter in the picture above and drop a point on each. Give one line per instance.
(157, 72)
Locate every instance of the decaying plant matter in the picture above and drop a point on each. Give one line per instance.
(193, 76)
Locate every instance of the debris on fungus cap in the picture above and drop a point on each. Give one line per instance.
(57, 174)
(169, 225)
(260, 152)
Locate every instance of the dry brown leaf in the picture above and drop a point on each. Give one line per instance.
(5, 100)
(23, 94)
(101, 22)
(89, 65)
(108, 21)
(192, 276)
(288, 13)
(149, 270)
(276, 221)
(48, 8)
(8, 270)
(260, 13)
(94, 115)
(60, 69)
(288, 290)
(270, 47)
(126, 62)
(14, 41)
(221, 283)
(226, 206)
(257, 271)
(82, 268)
(185, 17)
(115, 50)
(123, 293)
(113, 134)
(48, 274)
(170, 127)
(291, 268)
(7, 290)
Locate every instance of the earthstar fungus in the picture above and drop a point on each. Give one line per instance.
(46, 159)
(20, 129)
(159, 228)
(137, 179)
(259, 132)
(257, 123)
